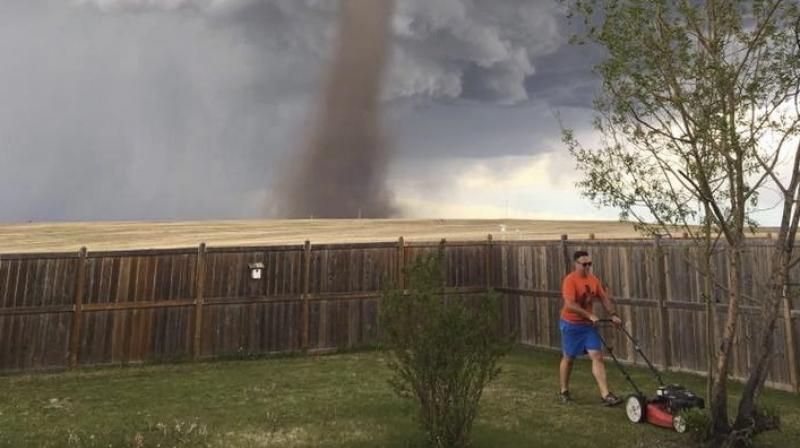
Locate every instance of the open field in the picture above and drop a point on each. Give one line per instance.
(39, 237)
(333, 401)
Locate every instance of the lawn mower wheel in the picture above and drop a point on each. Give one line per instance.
(635, 408)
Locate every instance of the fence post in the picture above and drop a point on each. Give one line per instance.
(661, 295)
(401, 263)
(306, 288)
(77, 315)
(199, 298)
(565, 255)
(488, 266)
(443, 261)
(791, 344)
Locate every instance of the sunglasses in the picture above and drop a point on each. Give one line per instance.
(586, 265)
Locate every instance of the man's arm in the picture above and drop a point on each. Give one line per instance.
(608, 304)
(572, 306)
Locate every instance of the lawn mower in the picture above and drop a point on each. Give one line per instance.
(663, 409)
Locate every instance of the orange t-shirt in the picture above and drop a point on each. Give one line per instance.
(580, 291)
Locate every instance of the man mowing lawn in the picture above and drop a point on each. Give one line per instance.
(578, 333)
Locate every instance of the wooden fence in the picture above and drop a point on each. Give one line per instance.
(659, 293)
(61, 310)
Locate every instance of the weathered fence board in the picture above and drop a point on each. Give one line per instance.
(138, 335)
(34, 341)
(247, 329)
(335, 270)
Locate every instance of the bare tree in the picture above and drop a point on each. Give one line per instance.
(698, 114)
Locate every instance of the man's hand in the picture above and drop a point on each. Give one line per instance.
(617, 321)
(593, 318)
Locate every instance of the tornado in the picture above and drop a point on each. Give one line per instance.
(341, 170)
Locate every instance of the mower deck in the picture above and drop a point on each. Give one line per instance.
(664, 409)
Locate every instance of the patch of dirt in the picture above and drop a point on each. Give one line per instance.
(343, 432)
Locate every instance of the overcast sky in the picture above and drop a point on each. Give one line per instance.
(186, 109)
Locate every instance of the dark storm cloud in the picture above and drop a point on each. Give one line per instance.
(139, 113)
(180, 109)
(471, 49)
(564, 79)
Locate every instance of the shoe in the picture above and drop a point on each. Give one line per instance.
(564, 397)
(611, 400)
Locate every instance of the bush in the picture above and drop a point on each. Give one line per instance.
(698, 424)
(764, 419)
(767, 419)
(443, 352)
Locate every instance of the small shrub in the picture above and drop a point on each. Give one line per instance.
(698, 424)
(767, 419)
(443, 351)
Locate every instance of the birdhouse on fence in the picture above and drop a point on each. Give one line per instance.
(255, 270)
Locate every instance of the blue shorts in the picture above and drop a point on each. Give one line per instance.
(578, 339)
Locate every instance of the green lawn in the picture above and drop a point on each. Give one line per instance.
(335, 400)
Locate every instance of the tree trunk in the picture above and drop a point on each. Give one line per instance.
(746, 415)
(708, 294)
(719, 392)
(711, 323)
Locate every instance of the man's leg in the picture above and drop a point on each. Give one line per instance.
(565, 371)
(599, 371)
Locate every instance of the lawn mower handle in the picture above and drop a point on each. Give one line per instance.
(636, 346)
(610, 321)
